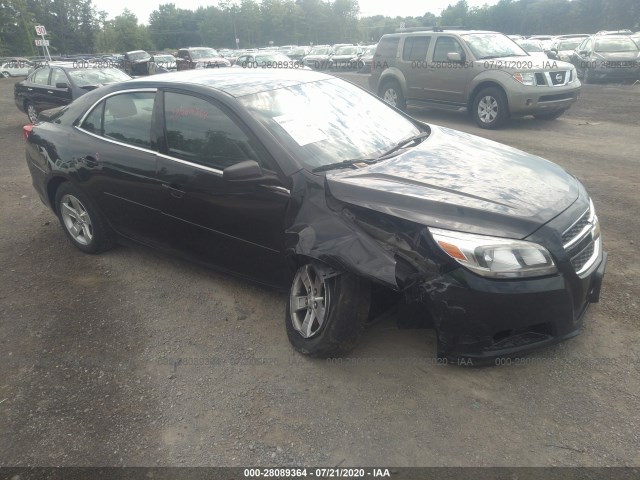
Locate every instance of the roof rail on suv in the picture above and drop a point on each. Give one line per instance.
(435, 28)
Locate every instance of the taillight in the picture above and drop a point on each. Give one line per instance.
(26, 130)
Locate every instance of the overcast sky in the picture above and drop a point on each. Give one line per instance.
(403, 8)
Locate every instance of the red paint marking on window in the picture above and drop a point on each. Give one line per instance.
(183, 112)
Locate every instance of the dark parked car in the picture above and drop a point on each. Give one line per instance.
(199, 57)
(607, 57)
(319, 58)
(58, 84)
(304, 181)
(367, 58)
(346, 57)
(162, 63)
(136, 63)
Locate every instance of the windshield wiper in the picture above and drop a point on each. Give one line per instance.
(344, 164)
(370, 161)
(403, 143)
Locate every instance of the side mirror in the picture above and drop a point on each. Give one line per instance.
(454, 57)
(246, 171)
(62, 85)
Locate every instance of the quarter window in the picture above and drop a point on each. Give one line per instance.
(202, 133)
(387, 47)
(415, 48)
(93, 122)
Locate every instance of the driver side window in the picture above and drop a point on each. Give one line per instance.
(200, 132)
(445, 45)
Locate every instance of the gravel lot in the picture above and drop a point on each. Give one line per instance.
(89, 345)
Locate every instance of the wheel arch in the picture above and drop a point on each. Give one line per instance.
(52, 188)
(486, 84)
(392, 75)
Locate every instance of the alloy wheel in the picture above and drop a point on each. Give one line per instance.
(32, 113)
(487, 109)
(309, 301)
(76, 219)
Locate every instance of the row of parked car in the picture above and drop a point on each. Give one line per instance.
(606, 55)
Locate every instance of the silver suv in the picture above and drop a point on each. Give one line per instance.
(485, 73)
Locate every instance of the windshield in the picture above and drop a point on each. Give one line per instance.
(138, 56)
(89, 76)
(204, 53)
(570, 44)
(329, 121)
(615, 45)
(493, 45)
(530, 46)
(347, 51)
(320, 51)
(164, 58)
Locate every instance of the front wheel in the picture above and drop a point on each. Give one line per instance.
(392, 94)
(490, 108)
(326, 313)
(82, 223)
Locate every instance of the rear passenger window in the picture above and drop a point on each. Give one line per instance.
(41, 76)
(387, 47)
(415, 48)
(127, 118)
(445, 45)
(200, 132)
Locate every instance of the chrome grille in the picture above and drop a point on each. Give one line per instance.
(582, 242)
(576, 228)
(583, 257)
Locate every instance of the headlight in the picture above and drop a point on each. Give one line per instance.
(525, 78)
(495, 257)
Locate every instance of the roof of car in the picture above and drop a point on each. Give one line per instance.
(436, 32)
(238, 82)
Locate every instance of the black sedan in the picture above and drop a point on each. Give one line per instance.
(303, 181)
(136, 62)
(57, 84)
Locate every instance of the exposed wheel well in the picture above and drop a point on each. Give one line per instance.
(385, 81)
(479, 87)
(52, 188)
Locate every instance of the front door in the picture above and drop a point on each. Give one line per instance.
(238, 227)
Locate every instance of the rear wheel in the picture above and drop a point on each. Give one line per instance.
(82, 223)
(392, 94)
(32, 113)
(326, 314)
(490, 108)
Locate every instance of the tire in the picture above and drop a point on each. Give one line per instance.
(6, 75)
(490, 108)
(587, 77)
(32, 113)
(94, 235)
(328, 320)
(549, 116)
(392, 94)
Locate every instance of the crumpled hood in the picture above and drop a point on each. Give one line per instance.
(458, 181)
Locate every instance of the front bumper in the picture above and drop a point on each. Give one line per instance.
(482, 319)
(543, 99)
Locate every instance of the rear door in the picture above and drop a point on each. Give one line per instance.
(37, 85)
(238, 227)
(118, 164)
(413, 64)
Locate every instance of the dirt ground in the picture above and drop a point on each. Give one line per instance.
(89, 345)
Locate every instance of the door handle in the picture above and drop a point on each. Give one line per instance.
(49, 91)
(29, 88)
(174, 191)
